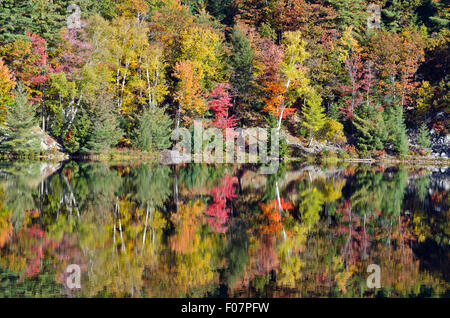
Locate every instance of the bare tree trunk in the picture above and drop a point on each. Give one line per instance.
(150, 100)
(393, 85)
(310, 140)
(127, 64)
(43, 117)
(43, 111)
(283, 106)
(178, 115)
(74, 112)
(118, 81)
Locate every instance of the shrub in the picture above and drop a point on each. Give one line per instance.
(333, 130)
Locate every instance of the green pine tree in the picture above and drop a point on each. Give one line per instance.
(391, 17)
(241, 67)
(153, 131)
(105, 132)
(14, 19)
(333, 111)
(350, 12)
(46, 18)
(223, 10)
(370, 129)
(17, 135)
(423, 137)
(432, 14)
(396, 129)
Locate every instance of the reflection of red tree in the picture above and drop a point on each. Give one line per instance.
(32, 245)
(6, 228)
(349, 171)
(68, 252)
(396, 256)
(267, 256)
(356, 237)
(378, 169)
(186, 221)
(272, 215)
(34, 239)
(399, 235)
(217, 210)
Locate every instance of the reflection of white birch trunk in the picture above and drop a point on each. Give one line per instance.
(176, 188)
(280, 209)
(72, 200)
(145, 227)
(114, 233)
(121, 234)
(278, 198)
(120, 226)
(116, 212)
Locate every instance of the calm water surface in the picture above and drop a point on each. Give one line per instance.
(223, 231)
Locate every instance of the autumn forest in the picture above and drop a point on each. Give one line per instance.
(91, 92)
(344, 78)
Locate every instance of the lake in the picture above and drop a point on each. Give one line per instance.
(82, 229)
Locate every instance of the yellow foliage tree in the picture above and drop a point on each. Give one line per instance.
(294, 72)
(201, 46)
(189, 94)
(6, 86)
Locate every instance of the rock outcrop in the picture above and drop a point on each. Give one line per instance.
(173, 157)
(440, 144)
(49, 145)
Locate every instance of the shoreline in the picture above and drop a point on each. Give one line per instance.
(153, 157)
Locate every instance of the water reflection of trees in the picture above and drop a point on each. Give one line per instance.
(313, 235)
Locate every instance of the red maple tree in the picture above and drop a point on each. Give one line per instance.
(220, 104)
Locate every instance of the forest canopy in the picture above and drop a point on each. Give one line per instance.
(368, 77)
